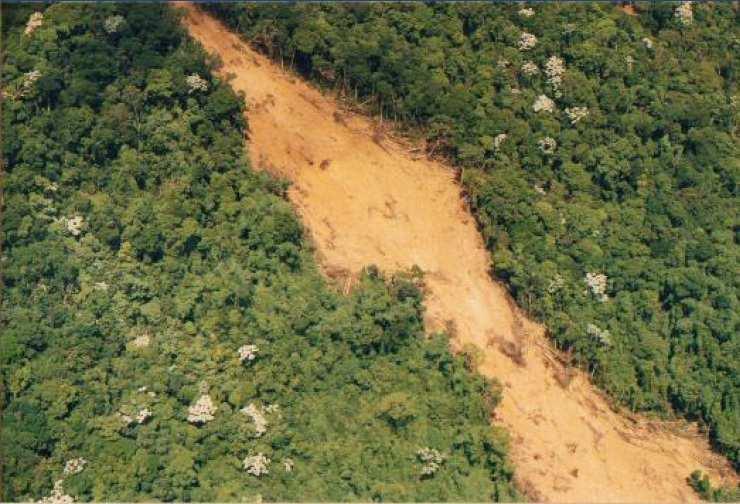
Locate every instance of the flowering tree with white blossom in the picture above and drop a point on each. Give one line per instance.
(597, 283)
(248, 353)
(57, 495)
(74, 466)
(35, 20)
(257, 465)
(202, 410)
(529, 69)
(543, 104)
(526, 12)
(196, 83)
(684, 13)
(576, 114)
(527, 41)
(113, 24)
(258, 417)
(547, 145)
(432, 460)
(554, 69)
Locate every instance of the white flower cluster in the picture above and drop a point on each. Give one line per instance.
(556, 284)
(48, 185)
(602, 335)
(113, 23)
(29, 79)
(684, 13)
(529, 68)
(548, 145)
(57, 495)
(248, 352)
(648, 42)
(630, 61)
(527, 41)
(202, 411)
(555, 68)
(539, 189)
(597, 283)
(499, 139)
(35, 20)
(74, 466)
(143, 415)
(258, 417)
(74, 225)
(526, 12)
(196, 83)
(575, 114)
(432, 460)
(141, 341)
(257, 465)
(503, 63)
(288, 464)
(101, 286)
(543, 103)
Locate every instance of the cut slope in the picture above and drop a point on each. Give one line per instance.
(365, 200)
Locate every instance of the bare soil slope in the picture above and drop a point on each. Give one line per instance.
(366, 200)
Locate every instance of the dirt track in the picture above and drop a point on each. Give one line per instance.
(365, 200)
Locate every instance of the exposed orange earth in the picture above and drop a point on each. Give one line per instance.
(365, 200)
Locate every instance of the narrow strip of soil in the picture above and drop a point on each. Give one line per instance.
(366, 200)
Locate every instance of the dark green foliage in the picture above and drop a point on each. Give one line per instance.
(700, 482)
(182, 242)
(643, 190)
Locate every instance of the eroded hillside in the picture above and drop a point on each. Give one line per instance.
(366, 199)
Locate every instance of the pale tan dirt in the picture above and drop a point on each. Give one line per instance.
(628, 9)
(365, 200)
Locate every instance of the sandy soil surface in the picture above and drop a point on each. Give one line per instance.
(365, 199)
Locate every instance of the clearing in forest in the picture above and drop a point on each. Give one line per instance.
(365, 200)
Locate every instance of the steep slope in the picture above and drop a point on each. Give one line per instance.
(367, 200)
(165, 334)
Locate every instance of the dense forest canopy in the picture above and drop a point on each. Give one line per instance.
(164, 331)
(600, 156)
